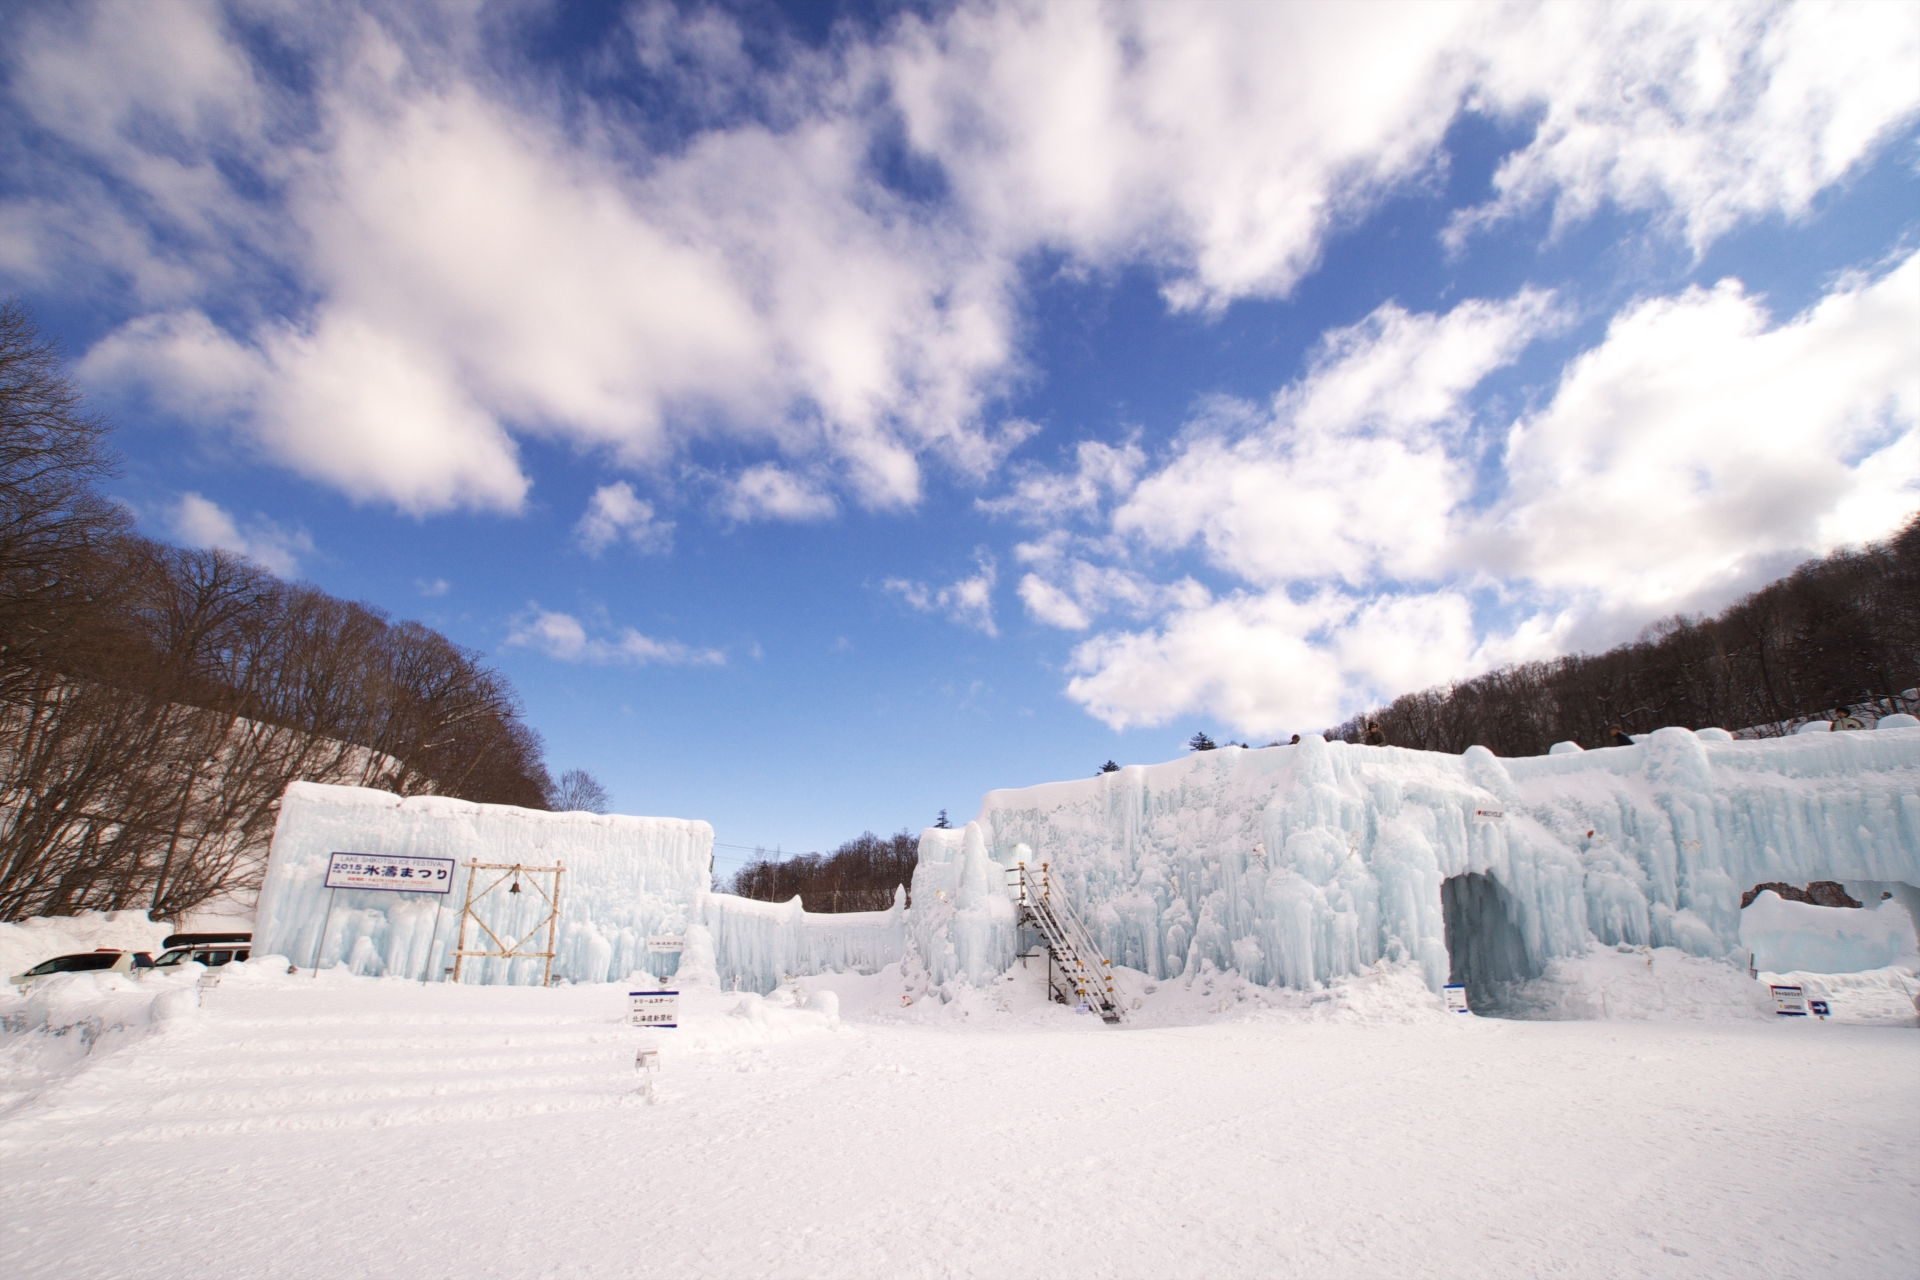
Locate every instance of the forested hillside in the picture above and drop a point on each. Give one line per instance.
(861, 875)
(1839, 631)
(155, 701)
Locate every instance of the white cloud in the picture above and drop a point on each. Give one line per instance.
(968, 601)
(432, 588)
(480, 255)
(1701, 442)
(1708, 115)
(1356, 468)
(202, 522)
(1068, 590)
(1041, 497)
(766, 492)
(616, 513)
(563, 637)
(1224, 142)
(344, 404)
(1700, 448)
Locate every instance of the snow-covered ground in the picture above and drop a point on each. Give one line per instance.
(299, 1126)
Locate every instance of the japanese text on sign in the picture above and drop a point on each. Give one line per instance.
(666, 944)
(653, 1008)
(396, 875)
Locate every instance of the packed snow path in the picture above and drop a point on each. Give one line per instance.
(374, 1127)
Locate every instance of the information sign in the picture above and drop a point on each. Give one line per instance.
(1457, 999)
(1790, 1002)
(666, 944)
(395, 875)
(1819, 1008)
(1489, 815)
(653, 1008)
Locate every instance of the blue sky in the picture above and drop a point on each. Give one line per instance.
(826, 414)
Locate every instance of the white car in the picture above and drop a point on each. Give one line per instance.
(105, 960)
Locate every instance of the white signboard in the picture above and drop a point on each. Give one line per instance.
(396, 875)
(1457, 999)
(1790, 1002)
(653, 1008)
(666, 944)
(1489, 815)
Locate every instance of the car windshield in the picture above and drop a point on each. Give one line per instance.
(175, 956)
(76, 964)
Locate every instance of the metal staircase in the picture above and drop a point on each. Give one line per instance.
(1076, 970)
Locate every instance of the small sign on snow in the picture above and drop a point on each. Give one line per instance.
(1819, 1008)
(395, 875)
(1456, 999)
(1489, 815)
(653, 1008)
(1790, 1002)
(666, 944)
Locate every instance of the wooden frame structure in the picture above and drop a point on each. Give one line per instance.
(509, 951)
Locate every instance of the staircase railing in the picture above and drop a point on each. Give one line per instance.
(1085, 971)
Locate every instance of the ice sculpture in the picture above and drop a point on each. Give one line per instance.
(626, 879)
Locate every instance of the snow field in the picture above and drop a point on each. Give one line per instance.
(304, 1127)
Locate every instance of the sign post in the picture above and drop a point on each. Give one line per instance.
(1790, 1002)
(1457, 998)
(654, 1009)
(387, 875)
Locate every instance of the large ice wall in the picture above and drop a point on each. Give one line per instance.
(756, 944)
(626, 878)
(1298, 864)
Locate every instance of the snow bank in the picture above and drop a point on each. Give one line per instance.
(1644, 984)
(1296, 865)
(1784, 935)
(1884, 995)
(68, 1021)
(25, 943)
(626, 878)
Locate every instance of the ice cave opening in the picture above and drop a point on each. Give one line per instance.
(1485, 950)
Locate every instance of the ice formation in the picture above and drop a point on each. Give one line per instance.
(1296, 865)
(1291, 866)
(1784, 936)
(626, 879)
(755, 944)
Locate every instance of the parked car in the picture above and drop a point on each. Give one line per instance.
(210, 949)
(104, 960)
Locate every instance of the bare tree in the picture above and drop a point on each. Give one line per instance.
(578, 791)
(155, 702)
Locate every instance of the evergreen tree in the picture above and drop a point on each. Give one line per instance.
(1201, 742)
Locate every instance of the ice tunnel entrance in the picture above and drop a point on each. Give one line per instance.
(1485, 951)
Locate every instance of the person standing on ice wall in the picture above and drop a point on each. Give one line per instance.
(1846, 720)
(1374, 736)
(1617, 736)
